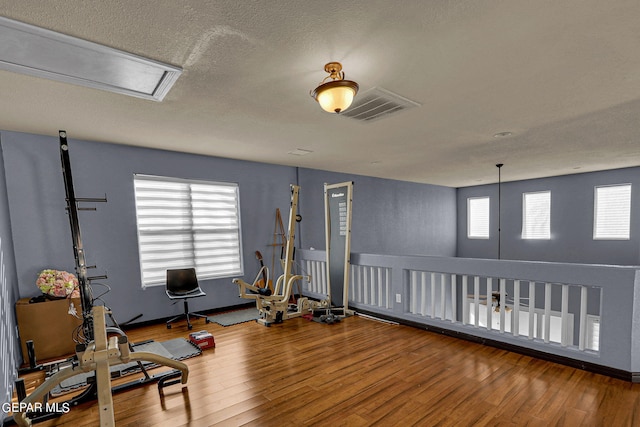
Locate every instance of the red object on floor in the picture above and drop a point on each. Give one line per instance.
(202, 339)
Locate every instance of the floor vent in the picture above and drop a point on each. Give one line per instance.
(377, 103)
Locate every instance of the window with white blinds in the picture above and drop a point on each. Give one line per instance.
(478, 218)
(612, 212)
(536, 215)
(185, 223)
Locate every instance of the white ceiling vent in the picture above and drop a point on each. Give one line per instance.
(377, 103)
(39, 52)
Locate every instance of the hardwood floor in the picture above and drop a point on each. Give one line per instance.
(361, 372)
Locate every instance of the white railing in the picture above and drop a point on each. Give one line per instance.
(368, 285)
(371, 286)
(510, 306)
(433, 295)
(583, 312)
(317, 272)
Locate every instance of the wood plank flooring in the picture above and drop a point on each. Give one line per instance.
(361, 372)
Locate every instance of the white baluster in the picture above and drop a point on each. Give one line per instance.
(583, 318)
(532, 308)
(547, 311)
(489, 302)
(476, 299)
(454, 298)
(465, 299)
(433, 295)
(503, 304)
(564, 316)
(516, 308)
(414, 291)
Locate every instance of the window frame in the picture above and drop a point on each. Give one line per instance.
(191, 231)
(470, 200)
(595, 212)
(547, 234)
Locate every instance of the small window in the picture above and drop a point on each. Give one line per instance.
(536, 215)
(612, 212)
(478, 218)
(184, 224)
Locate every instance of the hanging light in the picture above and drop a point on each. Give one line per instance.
(336, 95)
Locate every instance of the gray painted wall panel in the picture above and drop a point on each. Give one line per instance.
(42, 232)
(572, 203)
(389, 217)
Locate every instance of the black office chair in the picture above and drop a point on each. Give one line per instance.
(183, 284)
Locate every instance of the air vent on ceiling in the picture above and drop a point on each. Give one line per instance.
(39, 52)
(377, 103)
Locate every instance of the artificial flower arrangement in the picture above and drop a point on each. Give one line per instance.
(59, 284)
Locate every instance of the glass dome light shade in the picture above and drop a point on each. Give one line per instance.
(335, 96)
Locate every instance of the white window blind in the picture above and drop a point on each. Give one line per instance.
(612, 212)
(536, 215)
(478, 218)
(183, 224)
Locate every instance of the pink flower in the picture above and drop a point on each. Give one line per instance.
(58, 284)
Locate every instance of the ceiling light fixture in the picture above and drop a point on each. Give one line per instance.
(336, 95)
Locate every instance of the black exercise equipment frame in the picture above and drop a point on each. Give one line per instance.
(86, 298)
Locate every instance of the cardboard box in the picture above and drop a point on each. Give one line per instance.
(49, 325)
(202, 339)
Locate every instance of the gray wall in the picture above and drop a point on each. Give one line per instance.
(9, 344)
(572, 203)
(41, 230)
(389, 217)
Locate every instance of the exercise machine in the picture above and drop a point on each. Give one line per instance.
(338, 200)
(98, 356)
(276, 306)
(96, 351)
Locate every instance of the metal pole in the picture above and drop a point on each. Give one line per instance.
(499, 166)
(78, 251)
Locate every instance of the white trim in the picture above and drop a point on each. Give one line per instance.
(34, 51)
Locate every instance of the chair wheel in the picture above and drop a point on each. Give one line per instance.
(168, 326)
(207, 321)
(190, 327)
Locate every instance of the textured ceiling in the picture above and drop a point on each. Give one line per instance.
(562, 76)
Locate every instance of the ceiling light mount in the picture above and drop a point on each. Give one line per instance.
(336, 95)
(335, 70)
(502, 135)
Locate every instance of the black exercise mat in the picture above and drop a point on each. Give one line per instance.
(235, 317)
(176, 349)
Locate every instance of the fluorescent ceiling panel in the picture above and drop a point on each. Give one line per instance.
(34, 51)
